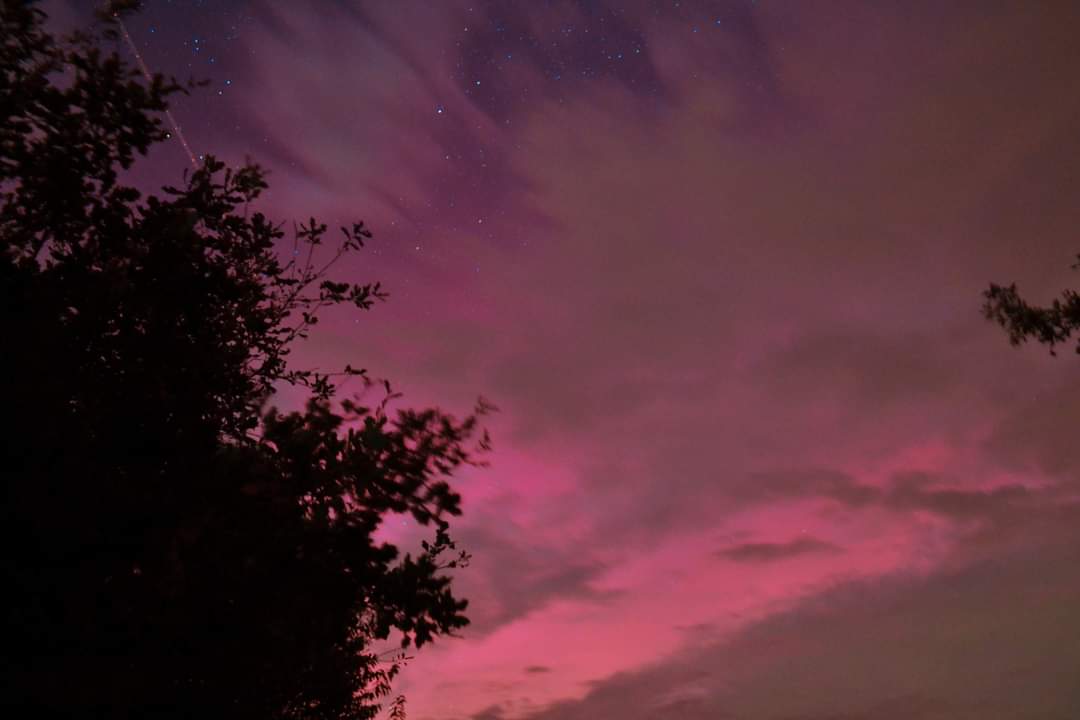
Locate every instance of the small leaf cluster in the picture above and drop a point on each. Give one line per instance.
(1052, 325)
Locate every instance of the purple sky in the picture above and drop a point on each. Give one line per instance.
(720, 264)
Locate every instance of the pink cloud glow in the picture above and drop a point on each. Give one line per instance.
(759, 455)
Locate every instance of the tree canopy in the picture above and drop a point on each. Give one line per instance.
(175, 546)
(1052, 325)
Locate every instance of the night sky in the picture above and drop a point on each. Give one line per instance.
(720, 265)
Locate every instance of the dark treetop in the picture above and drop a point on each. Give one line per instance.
(173, 547)
(1051, 325)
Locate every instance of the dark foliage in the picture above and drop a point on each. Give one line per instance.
(172, 547)
(1051, 326)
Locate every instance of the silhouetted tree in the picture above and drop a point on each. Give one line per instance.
(172, 547)
(1050, 325)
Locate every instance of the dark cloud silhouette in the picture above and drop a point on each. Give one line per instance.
(871, 371)
(918, 491)
(513, 579)
(771, 552)
(906, 492)
(884, 650)
(806, 483)
(493, 712)
(1041, 432)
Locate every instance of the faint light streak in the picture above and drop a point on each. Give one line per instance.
(150, 79)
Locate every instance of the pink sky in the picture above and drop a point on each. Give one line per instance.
(759, 455)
